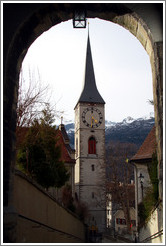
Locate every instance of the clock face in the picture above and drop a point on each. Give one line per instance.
(92, 117)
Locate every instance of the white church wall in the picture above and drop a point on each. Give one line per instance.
(142, 169)
(152, 233)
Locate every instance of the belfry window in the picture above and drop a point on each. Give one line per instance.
(92, 146)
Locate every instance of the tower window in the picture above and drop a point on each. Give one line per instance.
(93, 167)
(92, 146)
(93, 195)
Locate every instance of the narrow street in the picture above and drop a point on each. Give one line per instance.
(117, 239)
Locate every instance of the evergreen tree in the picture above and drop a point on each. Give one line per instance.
(40, 155)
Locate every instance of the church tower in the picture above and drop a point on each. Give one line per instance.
(90, 148)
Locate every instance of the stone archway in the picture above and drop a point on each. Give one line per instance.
(24, 22)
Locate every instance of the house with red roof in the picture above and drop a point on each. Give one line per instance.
(68, 157)
(146, 150)
(150, 229)
(141, 160)
(67, 154)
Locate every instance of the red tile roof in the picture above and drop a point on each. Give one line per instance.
(147, 148)
(62, 141)
(66, 150)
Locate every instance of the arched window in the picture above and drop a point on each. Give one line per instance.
(92, 146)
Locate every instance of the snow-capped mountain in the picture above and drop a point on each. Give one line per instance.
(128, 120)
(128, 130)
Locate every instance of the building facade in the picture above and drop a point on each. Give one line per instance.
(68, 157)
(121, 224)
(147, 189)
(90, 148)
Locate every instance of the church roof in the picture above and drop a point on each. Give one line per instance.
(148, 147)
(63, 142)
(90, 92)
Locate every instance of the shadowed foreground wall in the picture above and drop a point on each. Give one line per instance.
(40, 218)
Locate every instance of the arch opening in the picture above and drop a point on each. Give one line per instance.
(119, 66)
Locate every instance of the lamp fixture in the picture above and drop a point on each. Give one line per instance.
(79, 19)
(141, 177)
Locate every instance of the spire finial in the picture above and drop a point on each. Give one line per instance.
(61, 120)
(88, 28)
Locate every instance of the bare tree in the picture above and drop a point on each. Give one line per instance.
(33, 97)
(119, 175)
(30, 100)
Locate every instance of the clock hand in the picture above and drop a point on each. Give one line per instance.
(93, 119)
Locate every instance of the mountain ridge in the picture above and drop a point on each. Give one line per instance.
(129, 130)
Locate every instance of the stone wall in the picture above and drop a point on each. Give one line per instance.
(40, 219)
(154, 49)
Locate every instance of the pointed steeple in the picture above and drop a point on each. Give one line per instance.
(90, 92)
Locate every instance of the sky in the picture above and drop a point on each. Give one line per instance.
(121, 65)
